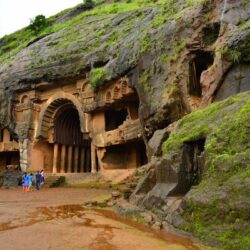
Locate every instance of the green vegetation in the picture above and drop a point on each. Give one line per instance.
(59, 182)
(97, 77)
(231, 126)
(221, 213)
(231, 54)
(12, 44)
(38, 23)
(88, 3)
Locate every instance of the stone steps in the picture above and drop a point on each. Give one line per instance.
(53, 181)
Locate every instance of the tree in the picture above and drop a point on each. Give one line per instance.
(88, 3)
(38, 23)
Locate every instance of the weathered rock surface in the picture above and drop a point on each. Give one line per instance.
(153, 46)
(216, 193)
(10, 179)
(156, 47)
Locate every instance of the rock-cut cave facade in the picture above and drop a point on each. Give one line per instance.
(72, 129)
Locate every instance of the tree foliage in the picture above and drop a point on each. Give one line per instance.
(38, 23)
(88, 3)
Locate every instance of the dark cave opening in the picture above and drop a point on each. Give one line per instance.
(211, 33)
(9, 158)
(74, 154)
(201, 62)
(115, 118)
(126, 156)
(191, 166)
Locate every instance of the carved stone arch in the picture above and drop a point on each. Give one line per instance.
(108, 97)
(24, 99)
(116, 92)
(47, 114)
(84, 86)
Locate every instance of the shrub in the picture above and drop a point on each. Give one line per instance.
(97, 77)
(38, 23)
(88, 3)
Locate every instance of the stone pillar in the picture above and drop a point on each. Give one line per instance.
(69, 163)
(55, 158)
(82, 162)
(23, 147)
(87, 160)
(93, 159)
(63, 157)
(76, 155)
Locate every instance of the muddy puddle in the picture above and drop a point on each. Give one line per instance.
(98, 230)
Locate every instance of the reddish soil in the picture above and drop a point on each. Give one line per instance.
(55, 219)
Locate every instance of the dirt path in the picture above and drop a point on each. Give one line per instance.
(55, 219)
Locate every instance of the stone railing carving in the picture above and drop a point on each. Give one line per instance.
(128, 131)
(107, 96)
(9, 146)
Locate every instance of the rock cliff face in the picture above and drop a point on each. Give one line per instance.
(179, 56)
(159, 46)
(205, 164)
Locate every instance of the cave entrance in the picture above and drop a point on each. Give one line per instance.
(202, 61)
(9, 158)
(125, 156)
(125, 150)
(71, 153)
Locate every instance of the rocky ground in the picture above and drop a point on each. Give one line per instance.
(56, 219)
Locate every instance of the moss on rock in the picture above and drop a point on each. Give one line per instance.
(218, 207)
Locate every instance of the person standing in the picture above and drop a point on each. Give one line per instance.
(30, 181)
(24, 181)
(42, 177)
(38, 180)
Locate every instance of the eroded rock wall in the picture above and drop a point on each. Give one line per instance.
(153, 46)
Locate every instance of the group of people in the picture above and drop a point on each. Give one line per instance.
(27, 180)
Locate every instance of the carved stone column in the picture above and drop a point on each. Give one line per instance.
(76, 155)
(93, 159)
(63, 157)
(24, 146)
(55, 158)
(82, 162)
(69, 163)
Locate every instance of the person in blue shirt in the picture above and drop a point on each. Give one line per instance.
(38, 180)
(30, 181)
(25, 182)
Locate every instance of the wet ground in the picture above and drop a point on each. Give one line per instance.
(54, 219)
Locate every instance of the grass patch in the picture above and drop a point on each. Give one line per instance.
(97, 77)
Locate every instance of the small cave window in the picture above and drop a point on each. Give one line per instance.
(211, 33)
(115, 118)
(201, 62)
